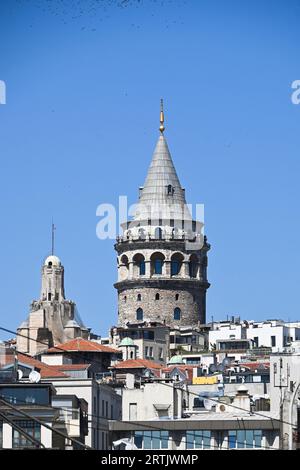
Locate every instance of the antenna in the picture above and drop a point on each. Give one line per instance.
(53, 228)
(162, 117)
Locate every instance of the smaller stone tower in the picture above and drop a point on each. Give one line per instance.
(52, 318)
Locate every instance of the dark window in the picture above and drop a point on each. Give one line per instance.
(158, 233)
(158, 266)
(255, 339)
(30, 427)
(142, 268)
(139, 297)
(176, 296)
(49, 264)
(177, 313)
(157, 296)
(49, 296)
(273, 341)
(175, 267)
(125, 299)
(139, 314)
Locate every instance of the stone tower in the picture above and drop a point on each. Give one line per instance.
(162, 254)
(52, 318)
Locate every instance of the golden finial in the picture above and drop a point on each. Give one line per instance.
(162, 117)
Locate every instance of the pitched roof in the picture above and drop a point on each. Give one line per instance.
(82, 345)
(137, 364)
(154, 194)
(186, 369)
(45, 370)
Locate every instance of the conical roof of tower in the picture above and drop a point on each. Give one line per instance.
(162, 194)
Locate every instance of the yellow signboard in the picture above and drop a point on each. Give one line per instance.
(213, 379)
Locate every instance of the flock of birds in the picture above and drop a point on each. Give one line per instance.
(94, 11)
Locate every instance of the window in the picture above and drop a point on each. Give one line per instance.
(198, 403)
(161, 354)
(111, 412)
(156, 296)
(125, 299)
(49, 296)
(139, 266)
(255, 339)
(106, 409)
(150, 351)
(30, 427)
(273, 341)
(244, 439)
(177, 313)
(142, 267)
(151, 439)
(158, 266)
(193, 266)
(102, 407)
(50, 264)
(139, 297)
(198, 439)
(146, 351)
(176, 263)
(139, 314)
(176, 296)
(158, 233)
(157, 261)
(170, 190)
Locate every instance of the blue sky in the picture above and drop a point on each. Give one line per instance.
(84, 80)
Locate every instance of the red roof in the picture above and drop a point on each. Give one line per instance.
(137, 364)
(45, 370)
(82, 345)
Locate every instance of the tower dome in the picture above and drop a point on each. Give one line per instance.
(52, 261)
(176, 360)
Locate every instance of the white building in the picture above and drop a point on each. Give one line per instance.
(154, 419)
(273, 334)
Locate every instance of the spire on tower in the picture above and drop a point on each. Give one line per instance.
(53, 228)
(162, 117)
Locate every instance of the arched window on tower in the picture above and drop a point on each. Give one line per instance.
(157, 261)
(176, 296)
(50, 264)
(176, 263)
(139, 266)
(193, 266)
(139, 314)
(158, 233)
(157, 296)
(124, 267)
(177, 313)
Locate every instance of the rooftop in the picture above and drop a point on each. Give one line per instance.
(81, 345)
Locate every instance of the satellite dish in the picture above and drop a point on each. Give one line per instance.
(207, 404)
(220, 367)
(34, 376)
(213, 368)
(20, 374)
